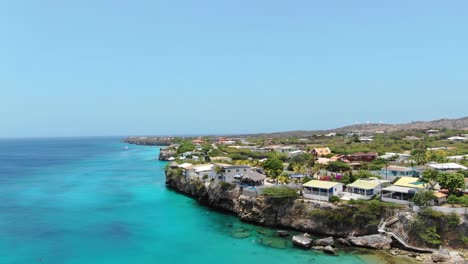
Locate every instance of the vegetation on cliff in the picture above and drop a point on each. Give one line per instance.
(431, 228)
(283, 192)
(360, 214)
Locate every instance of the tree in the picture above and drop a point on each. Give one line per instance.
(430, 177)
(423, 198)
(273, 167)
(451, 181)
(299, 168)
(436, 155)
(338, 166)
(419, 156)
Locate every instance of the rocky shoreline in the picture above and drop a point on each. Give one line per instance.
(294, 214)
(149, 141)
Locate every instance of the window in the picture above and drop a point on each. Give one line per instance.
(229, 170)
(237, 170)
(245, 169)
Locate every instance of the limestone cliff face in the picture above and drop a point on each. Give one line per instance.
(262, 210)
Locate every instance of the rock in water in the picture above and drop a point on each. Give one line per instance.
(372, 241)
(329, 250)
(302, 241)
(324, 242)
(282, 233)
(344, 242)
(274, 242)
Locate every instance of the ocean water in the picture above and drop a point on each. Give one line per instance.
(90, 200)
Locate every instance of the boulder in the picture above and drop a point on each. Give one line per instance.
(324, 242)
(282, 233)
(371, 241)
(344, 242)
(441, 256)
(329, 250)
(302, 241)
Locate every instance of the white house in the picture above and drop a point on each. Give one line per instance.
(295, 153)
(202, 171)
(366, 139)
(392, 172)
(362, 189)
(447, 166)
(457, 138)
(287, 149)
(232, 173)
(403, 190)
(321, 190)
(398, 157)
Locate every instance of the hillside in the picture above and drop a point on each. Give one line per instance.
(460, 123)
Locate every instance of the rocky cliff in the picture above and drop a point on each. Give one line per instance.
(150, 141)
(268, 211)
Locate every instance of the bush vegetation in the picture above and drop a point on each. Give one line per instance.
(362, 214)
(430, 225)
(280, 192)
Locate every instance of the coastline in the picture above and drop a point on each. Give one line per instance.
(222, 203)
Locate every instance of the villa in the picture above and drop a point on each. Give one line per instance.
(287, 149)
(392, 172)
(321, 190)
(403, 190)
(320, 152)
(362, 189)
(200, 171)
(397, 157)
(360, 157)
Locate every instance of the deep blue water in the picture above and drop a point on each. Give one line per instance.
(90, 200)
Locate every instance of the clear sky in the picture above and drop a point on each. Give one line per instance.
(112, 67)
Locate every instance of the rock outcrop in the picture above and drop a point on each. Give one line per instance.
(262, 210)
(442, 255)
(329, 250)
(324, 242)
(302, 241)
(150, 141)
(371, 241)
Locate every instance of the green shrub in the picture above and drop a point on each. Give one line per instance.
(334, 199)
(280, 192)
(226, 186)
(453, 199)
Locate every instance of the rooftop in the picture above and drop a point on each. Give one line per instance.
(399, 189)
(447, 166)
(398, 168)
(321, 184)
(411, 182)
(364, 184)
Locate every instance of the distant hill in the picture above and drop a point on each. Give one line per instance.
(460, 123)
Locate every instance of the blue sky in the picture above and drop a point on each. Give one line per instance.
(82, 68)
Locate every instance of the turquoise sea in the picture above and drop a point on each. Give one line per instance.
(90, 200)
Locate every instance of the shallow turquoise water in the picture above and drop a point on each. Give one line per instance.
(82, 201)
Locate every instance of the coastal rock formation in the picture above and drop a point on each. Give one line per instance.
(441, 256)
(329, 250)
(371, 241)
(263, 210)
(150, 141)
(324, 242)
(165, 154)
(302, 241)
